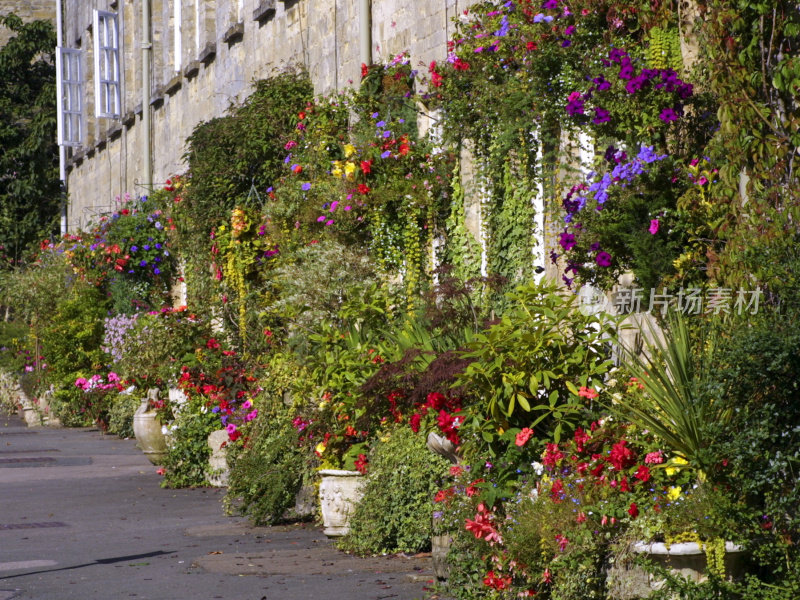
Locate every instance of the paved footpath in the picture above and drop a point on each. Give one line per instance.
(82, 516)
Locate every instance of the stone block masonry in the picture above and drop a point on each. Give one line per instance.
(27, 10)
(206, 55)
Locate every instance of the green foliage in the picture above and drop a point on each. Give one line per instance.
(72, 342)
(527, 367)
(186, 463)
(395, 513)
(158, 345)
(29, 186)
(266, 475)
(120, 415)
(675, 406)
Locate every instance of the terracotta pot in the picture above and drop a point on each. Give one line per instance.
(339, 492)
(149, 437)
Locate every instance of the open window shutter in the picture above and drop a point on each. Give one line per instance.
(106, 65)
(69, 96)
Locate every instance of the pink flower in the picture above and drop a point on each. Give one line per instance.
(653, 226)
(523, 436)
(113, 377)
(251, 415)
(654, 458)
(246, 405)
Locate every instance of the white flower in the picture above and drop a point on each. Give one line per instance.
(164, 430)
(538, 468)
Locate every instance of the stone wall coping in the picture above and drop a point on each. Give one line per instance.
(264, 11)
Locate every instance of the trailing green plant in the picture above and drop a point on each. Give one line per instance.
(266, 474)
(395, 513)
(188, 452)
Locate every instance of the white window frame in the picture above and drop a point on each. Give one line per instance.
(106, 65)
(69, 96)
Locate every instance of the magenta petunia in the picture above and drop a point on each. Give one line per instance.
(603, 259)
(653, 226)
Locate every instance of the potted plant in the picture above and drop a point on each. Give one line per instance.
(148, 427)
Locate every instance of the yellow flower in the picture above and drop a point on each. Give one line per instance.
(349, 150)
(674, 469)
(337, 168)
(349, 169)
(673, 493)
(320, 448)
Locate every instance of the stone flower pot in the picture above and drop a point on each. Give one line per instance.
(339, 492)
(686, 559)
(149, 435)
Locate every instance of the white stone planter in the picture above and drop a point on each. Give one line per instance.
(218, 462)
(686, 559)
(339, 492)
(150, 439)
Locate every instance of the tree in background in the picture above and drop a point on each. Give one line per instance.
(29, 183)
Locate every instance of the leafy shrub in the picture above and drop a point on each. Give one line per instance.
(120, 415)
(71, 340)
(188, 451)
(266, 475)
(395, 512)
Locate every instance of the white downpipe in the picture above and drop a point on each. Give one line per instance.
(365, 31)
(62, 150)
(147, 50)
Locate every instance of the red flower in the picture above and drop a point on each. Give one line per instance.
(366, 166)
(363, 188)
(443, 495)
(531, 46)
(557, 491)
(364, 70)
(496, 581)
(633, 511)
(642, 473)
(301, 115)
(414, 422)
(585, 392)
(361, 464)
(456, 471)
(523, 436)
(212, 344)
(297, 169)
(581, 437)
(473, 488)
(552, 455)
(621, 457)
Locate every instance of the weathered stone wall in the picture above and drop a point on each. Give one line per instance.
(205, 56)
(27, 10)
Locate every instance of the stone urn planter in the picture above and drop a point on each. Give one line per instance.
(149, 436)
(686, 559)
(339, 492)
(440, 547)
(218, 461)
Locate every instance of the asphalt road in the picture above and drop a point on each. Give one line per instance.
(82, 516)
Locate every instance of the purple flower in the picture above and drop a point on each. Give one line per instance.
(134, 248)
(143, 263)
(386, 154)
(601, 115)
(550, 4)
(653, 229)
(146, 246)
(541, 18)
(569, 30)
(575, 107)
(158, 225)
(157, 271)
(387, 134)
(305, 187)
(567, 241)
(504, 27)
(380, 124)
(603, 259)
(566, 43)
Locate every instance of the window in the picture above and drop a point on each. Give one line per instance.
(106, 65)
(69, 92)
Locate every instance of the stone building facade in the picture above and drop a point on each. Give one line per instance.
(206, 54)
(27, 10)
